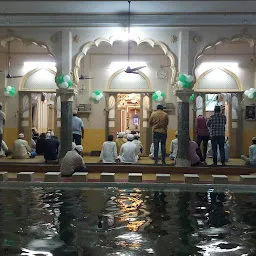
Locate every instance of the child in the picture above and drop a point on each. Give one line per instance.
(251, 160)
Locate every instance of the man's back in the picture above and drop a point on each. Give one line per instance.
(201, 127)
(217, 123)
(77, 124)
(128, 153)
(51, 147)
(159, 121)
(252, 154)
(2, 120)
(20, 149)
(70, 162)
(108, 153)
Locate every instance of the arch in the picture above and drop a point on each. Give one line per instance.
(137, 40)
(213, 78)
(141, 75)
(242, 37)
(7, 39)
(53, 88)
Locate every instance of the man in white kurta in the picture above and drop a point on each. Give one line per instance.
(174, 147)
(21, 149)
(128, 153)
(138, 144)
(108, 153)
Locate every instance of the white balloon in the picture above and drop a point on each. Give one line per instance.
(101, 95)
(158, 93)
(66, 78)
(6, 93)
(98, 97)
(93, 95)
(64, 85)
(250, 95)
(8, 88)
(246, 92)
(160, 98)
(189, 78)
(251, 90)
(180, 84)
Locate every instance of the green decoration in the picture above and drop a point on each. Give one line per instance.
(254, 94)
(70, 83)
(191, 98)
(163, 94)
(60, 79)
(95, 101)
(8, 242)
(97, 92)
(182, 78)
(154, 96)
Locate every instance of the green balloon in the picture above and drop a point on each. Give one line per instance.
(60, 79)
(186, 85)
(254, 94)
(70, 83)
(97, 92)
(5, 89)
(11, 93)
(154, 96)
(163, 94)
(182, 78)
(192, 97)
(95, 101)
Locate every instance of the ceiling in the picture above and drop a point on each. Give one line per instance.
(114, 13)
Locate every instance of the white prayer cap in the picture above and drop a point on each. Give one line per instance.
(1, 104)
(130, 137)
(120, 135)
(21, 136)
(79, 148)
(74, 112)
(73, 145)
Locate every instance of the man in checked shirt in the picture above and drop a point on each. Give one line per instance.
(216, 124)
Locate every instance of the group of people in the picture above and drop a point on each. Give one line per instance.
(125, 149)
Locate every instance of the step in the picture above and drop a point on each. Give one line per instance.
(107, 177)
(52, 177)
(191, 178)
(163, 178)
(25, 176)
(248, 179)
(3, 176)
(219, 179)
(135, 177)
(80, 177)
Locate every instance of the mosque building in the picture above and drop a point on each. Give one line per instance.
(95, 42)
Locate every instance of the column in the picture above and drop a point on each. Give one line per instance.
(183, 95)
(66, 137)
(64, 67)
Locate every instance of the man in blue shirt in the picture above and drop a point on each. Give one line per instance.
(77, 129)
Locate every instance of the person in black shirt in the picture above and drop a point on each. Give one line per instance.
(40, 144)
(51, 148)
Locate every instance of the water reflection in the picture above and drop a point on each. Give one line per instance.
(126, 222)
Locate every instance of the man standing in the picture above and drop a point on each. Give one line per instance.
(77, 129)
(216, 124)
(2, 122)
(202, 134)
(159, 121)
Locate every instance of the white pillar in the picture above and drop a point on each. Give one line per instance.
(184, 52)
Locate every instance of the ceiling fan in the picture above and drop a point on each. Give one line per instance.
(130, 70)
(9, 64)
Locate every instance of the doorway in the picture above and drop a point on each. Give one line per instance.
(40, 110)
(130, 111)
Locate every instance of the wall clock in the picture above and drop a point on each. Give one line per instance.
(161, 73)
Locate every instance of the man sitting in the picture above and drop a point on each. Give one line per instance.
(138, 144)
(193, 153)
(108, 153)
(4, 151)
(151, 153)
(251, 160)
(21, 149)
(128, 153)
(73, 162)
(51, 148)
(120, 141)
(174, 147)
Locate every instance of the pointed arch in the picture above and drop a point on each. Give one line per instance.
(96, 43)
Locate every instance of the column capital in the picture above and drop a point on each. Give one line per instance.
(66, 94)
(183, 94)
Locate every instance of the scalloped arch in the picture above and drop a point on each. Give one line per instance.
(246, 38)
(138, 41)
(5, 40)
